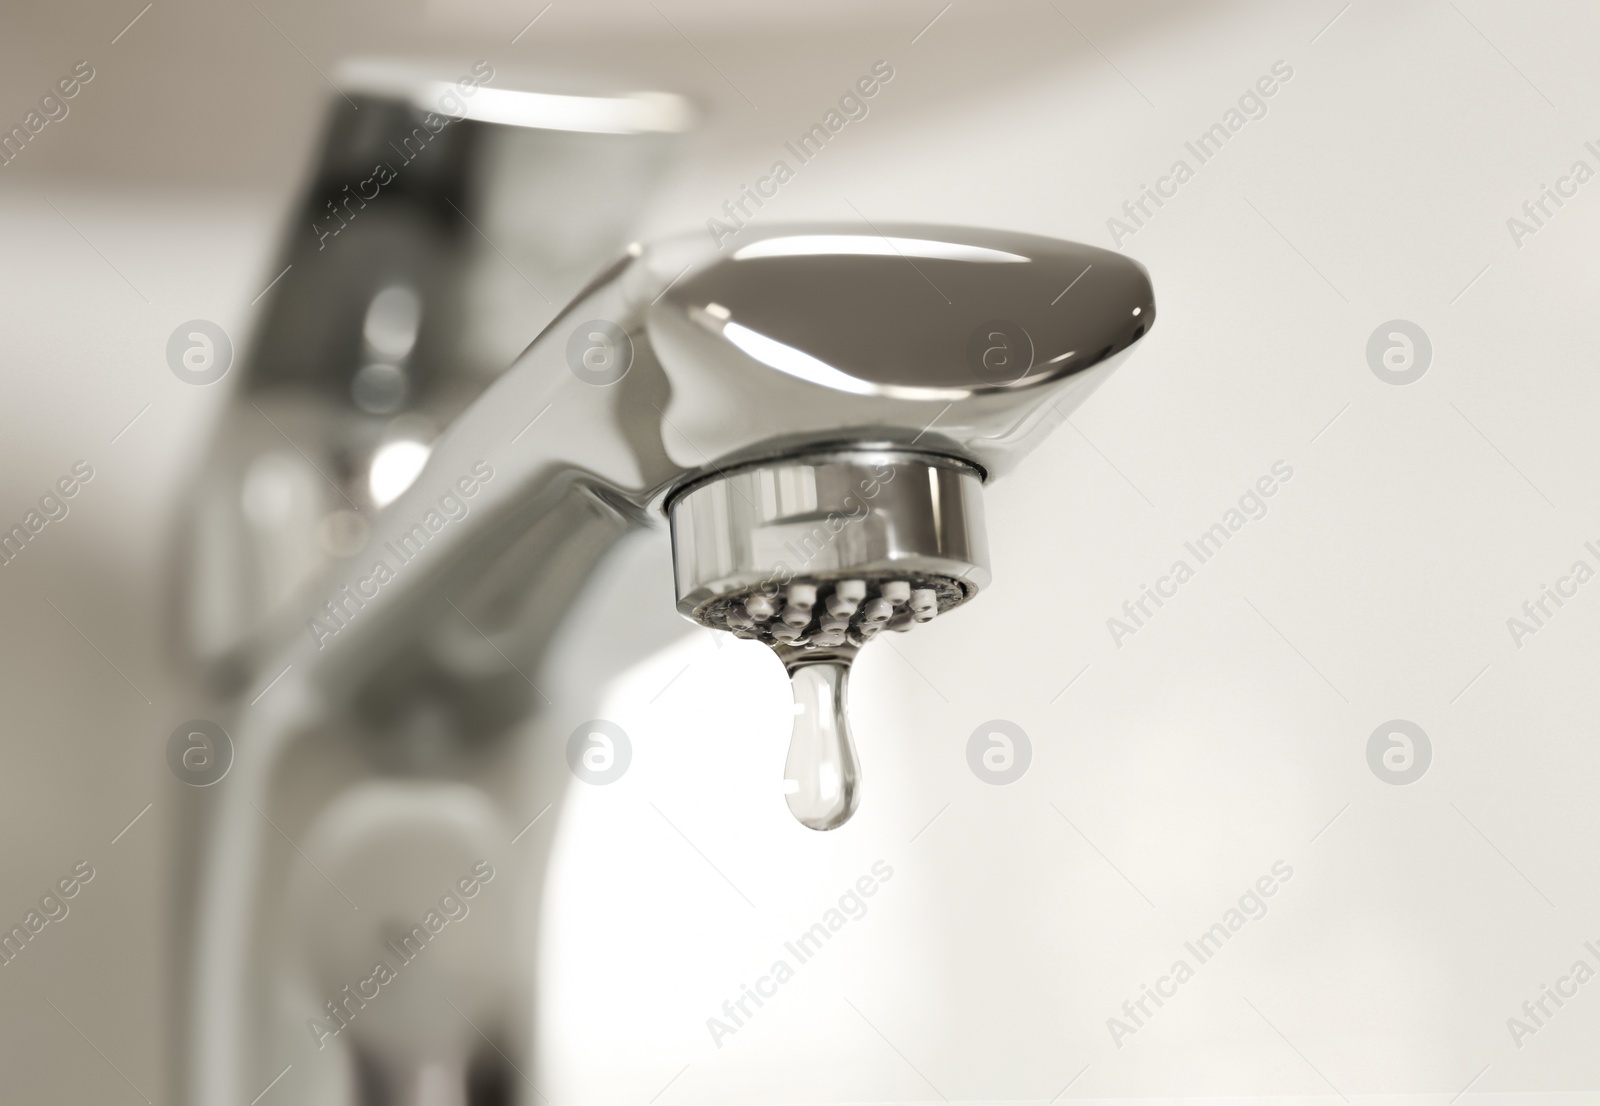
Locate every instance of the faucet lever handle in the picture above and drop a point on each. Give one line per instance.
(835, 326)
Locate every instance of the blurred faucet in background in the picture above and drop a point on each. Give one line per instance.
(450, 211)
(447, 218)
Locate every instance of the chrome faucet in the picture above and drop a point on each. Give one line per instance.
(813, 411)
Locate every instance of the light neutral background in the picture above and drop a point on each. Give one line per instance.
(1168, 773)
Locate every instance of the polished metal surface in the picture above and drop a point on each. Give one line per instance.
(951, 339)
(941, 286)
(868, 514)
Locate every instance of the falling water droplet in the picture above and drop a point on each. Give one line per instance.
(821, 773)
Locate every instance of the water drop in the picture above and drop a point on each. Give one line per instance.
(821, 773)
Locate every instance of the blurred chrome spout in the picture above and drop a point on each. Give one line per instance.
(445, 222)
